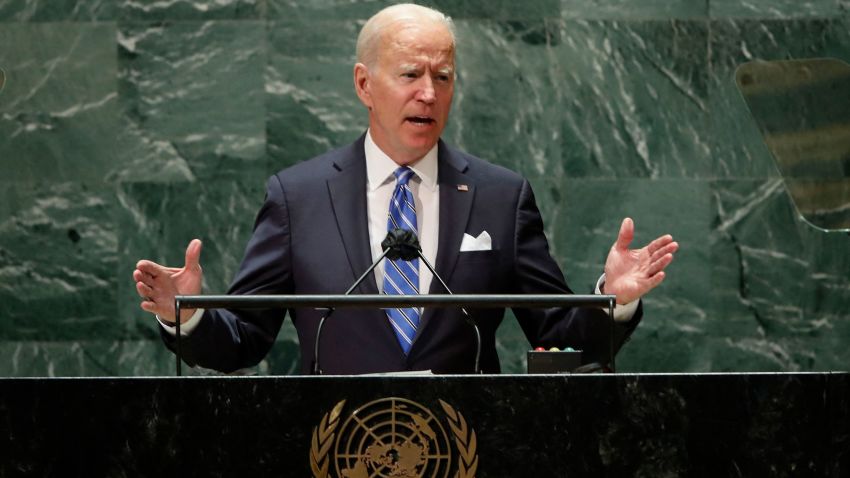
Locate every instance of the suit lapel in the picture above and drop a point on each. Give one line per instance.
(456, 196)
(348, 197)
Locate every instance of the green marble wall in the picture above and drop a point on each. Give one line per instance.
(129, 127)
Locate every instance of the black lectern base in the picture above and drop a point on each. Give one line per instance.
(487, 426)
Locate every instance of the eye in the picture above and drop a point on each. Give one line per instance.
(444, 78)
(409, 74)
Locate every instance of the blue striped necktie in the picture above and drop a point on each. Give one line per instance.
(402, 277)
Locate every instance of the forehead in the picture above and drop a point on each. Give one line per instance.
(409, 39)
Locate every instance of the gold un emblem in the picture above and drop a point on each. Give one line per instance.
(393, 437)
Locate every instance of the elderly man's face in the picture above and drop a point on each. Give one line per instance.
(409, 94)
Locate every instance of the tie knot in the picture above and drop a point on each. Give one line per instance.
(403, 175)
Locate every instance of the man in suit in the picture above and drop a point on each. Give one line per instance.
(323, 221)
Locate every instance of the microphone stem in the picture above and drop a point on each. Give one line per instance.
(466, 315)
(317, 369)
(370, 269)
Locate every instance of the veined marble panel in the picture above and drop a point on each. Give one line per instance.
(59, 104)
(766, 9)
(102, 357)
(362, 10)
(58, 246)
(312, 106)
(634, 9)
(191, 9)
(194, 91)
(98, 357)
(783, 285)
(498, 9)
(633, 99)
(57, 10)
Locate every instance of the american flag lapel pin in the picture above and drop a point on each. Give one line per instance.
(462, 187)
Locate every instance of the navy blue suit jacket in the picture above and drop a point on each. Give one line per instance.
(311, 237)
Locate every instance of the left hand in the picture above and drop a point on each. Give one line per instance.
(631, 273)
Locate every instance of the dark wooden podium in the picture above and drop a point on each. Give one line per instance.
(488, 426)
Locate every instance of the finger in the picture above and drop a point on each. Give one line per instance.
(193, 255)
(149, 306)
(659, 265)
(145, 291)
(149, 267)
(163, 313)
(155, 283)
(145, 305)
(659, 242)
(656, 280)
(668, 249)
(626, 234)
(140, 276)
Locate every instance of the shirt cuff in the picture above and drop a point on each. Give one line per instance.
(622, 313)
(187, 327)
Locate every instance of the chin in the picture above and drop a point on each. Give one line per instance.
(423, 143)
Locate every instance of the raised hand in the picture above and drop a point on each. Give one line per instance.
(631, 273)
(157, 285)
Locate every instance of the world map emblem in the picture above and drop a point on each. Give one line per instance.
(393, 437)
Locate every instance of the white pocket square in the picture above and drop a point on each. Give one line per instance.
(480, 243)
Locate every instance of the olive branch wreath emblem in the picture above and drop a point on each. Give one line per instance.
(465, 441)
(323, 438)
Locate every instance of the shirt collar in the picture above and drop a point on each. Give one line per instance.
(380, 167)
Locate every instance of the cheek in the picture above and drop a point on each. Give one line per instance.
(387, 94)
(447, 97)
(396, 101)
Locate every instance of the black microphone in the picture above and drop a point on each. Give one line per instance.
(399, 244)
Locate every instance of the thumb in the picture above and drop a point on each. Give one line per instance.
(193, 255)
(626, 235)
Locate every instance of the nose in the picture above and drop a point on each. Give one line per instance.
(426, 93)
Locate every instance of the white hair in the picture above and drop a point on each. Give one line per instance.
(369, 40)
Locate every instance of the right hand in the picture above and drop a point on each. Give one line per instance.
(158, 285)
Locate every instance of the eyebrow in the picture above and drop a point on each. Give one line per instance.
(412, 66)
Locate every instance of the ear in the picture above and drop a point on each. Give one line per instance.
(362, 84)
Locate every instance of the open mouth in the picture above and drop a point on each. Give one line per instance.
(420, 120)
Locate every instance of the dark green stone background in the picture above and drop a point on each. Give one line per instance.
(128, 128)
